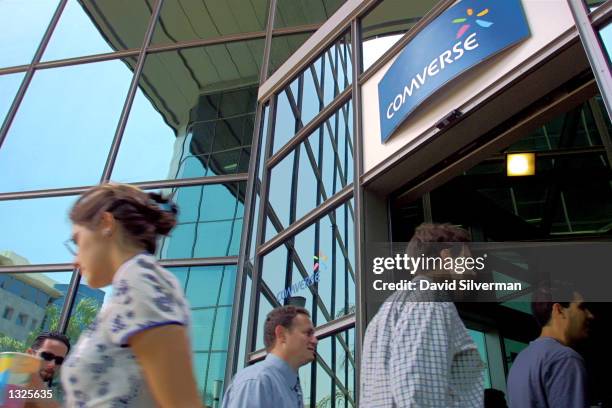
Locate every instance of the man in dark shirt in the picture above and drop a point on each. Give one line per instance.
(549, 373)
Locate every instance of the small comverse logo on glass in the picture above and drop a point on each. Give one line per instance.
(467, 21)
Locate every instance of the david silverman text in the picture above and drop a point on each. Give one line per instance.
(463, 284)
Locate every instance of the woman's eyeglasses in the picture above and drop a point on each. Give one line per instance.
(71, 246)
(50, 356)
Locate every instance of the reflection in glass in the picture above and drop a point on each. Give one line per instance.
(188, 21)
(210, 292)
(326, 77)
(33, 230)
(283, 47)
(286, 124)
(265, 307)
(325, 166)
(334, 370)
(94, 27)
(385, 24)
(315, 88)
(279, 194)
(193, 115)
(291, 13)
(209, 221)
(23, 26)
(321, 267)
(9, 85)
(65, 124)
(29, 303)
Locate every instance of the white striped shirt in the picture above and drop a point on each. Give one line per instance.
(418, 353)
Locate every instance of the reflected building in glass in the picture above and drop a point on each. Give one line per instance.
(255, 115)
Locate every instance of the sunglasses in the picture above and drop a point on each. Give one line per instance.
(50, 356)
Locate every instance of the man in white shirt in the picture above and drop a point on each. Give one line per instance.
(416, 350)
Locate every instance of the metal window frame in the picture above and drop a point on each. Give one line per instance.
(145, 185)
(593, 49)
(245, 240)
(134, 52)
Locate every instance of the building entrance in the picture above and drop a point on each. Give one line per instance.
(568, 198)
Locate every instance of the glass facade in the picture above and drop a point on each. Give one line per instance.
(166, 94)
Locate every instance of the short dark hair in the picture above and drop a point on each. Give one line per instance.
(52, 335)
(430, 239)
(545, 296)
(280, 316)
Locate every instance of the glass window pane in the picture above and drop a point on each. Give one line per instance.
(385, 24)
(274, 267)
(280, 186)
(606, 39)
(316, 87)
(201, 329)
(203, 229)
(282, 48)
(39, 296)
(34, 230)
(208, 286)
(209, 291)
(9, 85)
(88, 27)
(265, 307)
(286, 122)
(65, 124)
(307, 195)
(322, 270)
(23, 26)
(324, 381)
(305, 382)
(334, 388)
(188, 21)
(333, 164)
(193, 114)
(209, 221)
(290, 13)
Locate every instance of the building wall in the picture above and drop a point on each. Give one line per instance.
(12, 327)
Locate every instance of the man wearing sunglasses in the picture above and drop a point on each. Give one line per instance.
(52, 348)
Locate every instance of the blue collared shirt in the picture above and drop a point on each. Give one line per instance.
(270, 383)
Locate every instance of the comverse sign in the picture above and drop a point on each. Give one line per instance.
(460, 38)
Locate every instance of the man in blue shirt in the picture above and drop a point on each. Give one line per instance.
(291, 343)
(549, 373)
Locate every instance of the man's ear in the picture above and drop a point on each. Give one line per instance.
(557, 309)
(279, 333)
(30, 351)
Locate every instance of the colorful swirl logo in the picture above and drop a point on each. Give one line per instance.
(466, 26)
